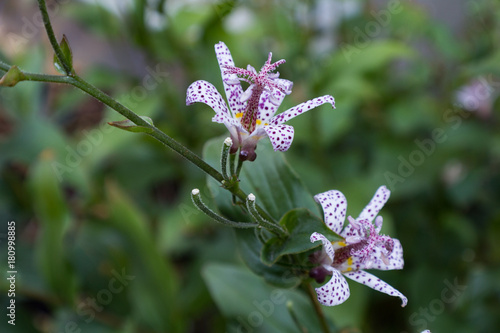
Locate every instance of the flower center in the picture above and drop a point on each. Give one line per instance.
(365, 243)
(345, 252)
(265, 80)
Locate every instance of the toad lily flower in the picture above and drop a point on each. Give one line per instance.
(363, 248)
(251, 113)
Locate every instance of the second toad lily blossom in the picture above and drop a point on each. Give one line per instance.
(251, 113)
(363, 248)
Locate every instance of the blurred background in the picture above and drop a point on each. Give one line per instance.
(107, 237)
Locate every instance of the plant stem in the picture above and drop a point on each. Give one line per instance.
(168, 141)
(52, 37)
(196, 197)
(76, 81)
(273, 227)
(157, 134)
(223, 158)
(238, 168)
(317, 307)
(4, 67)
(291, 311)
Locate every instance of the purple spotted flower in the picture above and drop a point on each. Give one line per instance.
(362, 248)
(251, 113)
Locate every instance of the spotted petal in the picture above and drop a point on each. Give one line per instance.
(232, 124)
(301, 108)
(334, 206)
(327, 245)
(370, 211)
(336, 291)
(281, 136)
(269, 103)
(376, 203)
(205, 92)
(393, 261)
(232, 85)
(375, 283)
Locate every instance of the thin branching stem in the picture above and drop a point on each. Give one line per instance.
(78, 82)
(273, 227)
(52, 37)
(196, 197)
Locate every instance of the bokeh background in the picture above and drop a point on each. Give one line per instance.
(107, 237)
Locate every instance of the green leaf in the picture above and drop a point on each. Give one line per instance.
(155, 282)
(250, 305)
(68, 57)
(129, 125)
(12, 77)
(53, 214)
(250, 249)
(300, 223)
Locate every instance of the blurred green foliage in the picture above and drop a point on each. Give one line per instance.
(107, 238)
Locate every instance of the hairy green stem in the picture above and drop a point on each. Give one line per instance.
(238, 168)
(52, 37)
(196, 197)
(223, 158)
(4, 67)
(273, 227)
(232, 169)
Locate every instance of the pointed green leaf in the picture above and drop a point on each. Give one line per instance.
(244, 298)
(53, 214)
(300, 223)
(155, 281)
(250, 249)
(68, 57)
(129, 125)
(12, 77)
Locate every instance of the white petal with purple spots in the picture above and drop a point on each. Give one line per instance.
(281, 136)
(327, 245)
(334, 206)
(370, 211)
(336, 291)
(223, 118)
(233, 90)
(393, 261)
(301, 108)
(205, 92)
(374, 282)
(376, 203)
(269, 104)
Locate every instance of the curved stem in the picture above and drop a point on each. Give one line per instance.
(273, 227)
(4, 67)
(223, 158)
(168, 141)
(52, 37)
(76, 81)
(157, 134)
(196, 197)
